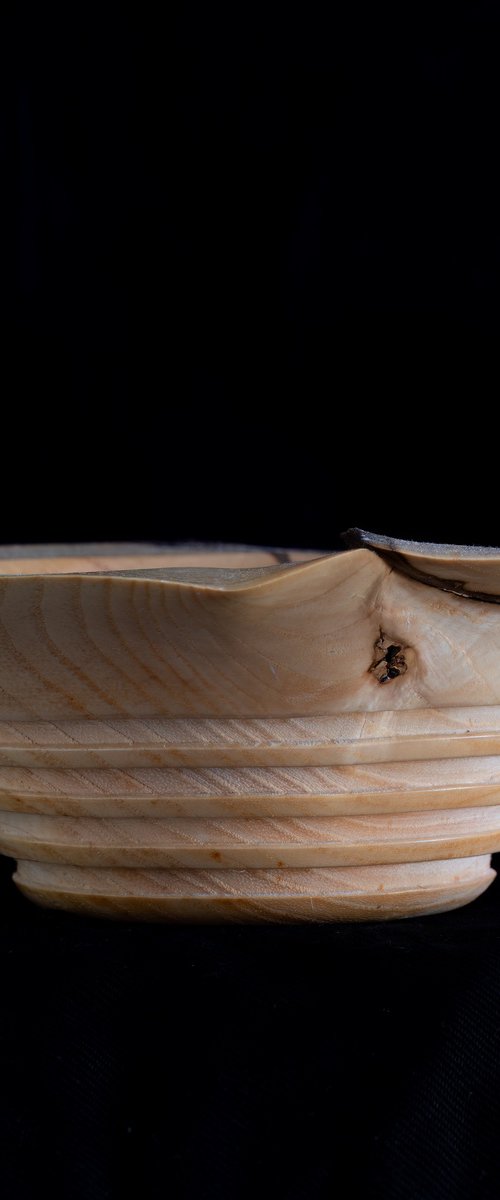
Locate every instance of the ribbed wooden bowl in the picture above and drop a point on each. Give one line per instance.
(235, 737)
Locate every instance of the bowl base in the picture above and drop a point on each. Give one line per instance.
(255, 896)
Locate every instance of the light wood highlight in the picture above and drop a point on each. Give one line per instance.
(320, 841)
(22, 560)
(342, 738)
(249, 738)
(285, 791)
(335, 894)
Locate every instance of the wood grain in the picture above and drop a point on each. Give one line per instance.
(320, 841)
(304, 725)
(335, 894)
(296, 640)
(294, 741)
(59, 560)
(464, 570)
(271, 792)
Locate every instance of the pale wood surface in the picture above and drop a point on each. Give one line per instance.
(271, 792)
(304, 842)
(295, 640)
(342, 738)
(304, 725)
(335, 894)
(52, 560)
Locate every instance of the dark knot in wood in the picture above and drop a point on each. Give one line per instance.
(389, 659)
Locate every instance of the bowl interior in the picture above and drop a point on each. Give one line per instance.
(60, 559)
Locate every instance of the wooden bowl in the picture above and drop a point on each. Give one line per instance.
(236, 735)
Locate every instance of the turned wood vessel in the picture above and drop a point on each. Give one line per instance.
(245, 735)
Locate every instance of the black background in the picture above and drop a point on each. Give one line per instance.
(251, 246)
(252, 295)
